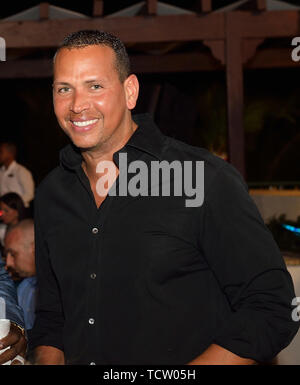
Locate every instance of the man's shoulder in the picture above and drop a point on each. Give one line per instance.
(27, 283)
(214, 166)
(187, 151)
(178, 150)
(21, 168)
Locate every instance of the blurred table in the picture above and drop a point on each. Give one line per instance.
(276, 202)
(291, 354)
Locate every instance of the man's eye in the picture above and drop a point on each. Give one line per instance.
(96, 86)
(63, 90)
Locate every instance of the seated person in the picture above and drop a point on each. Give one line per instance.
(12, 211)
(16, 338)
(20, 260)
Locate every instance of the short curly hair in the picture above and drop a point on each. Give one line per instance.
(86, 38)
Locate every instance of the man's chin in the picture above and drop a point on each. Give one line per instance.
(83, 144)
(85, 147)
(14, 276)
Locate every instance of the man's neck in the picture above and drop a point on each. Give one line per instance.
(92, 158)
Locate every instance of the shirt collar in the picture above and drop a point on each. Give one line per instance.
(32, 280)
(10, 167)
(147, 138)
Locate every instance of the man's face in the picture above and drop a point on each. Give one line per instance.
(90, 102)
(9, 216)
(19, 255)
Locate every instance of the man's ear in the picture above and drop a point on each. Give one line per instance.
(131, 85)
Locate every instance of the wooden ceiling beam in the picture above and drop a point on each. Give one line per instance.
(187, 62)
(180, 62)
(139, 29)
(272, 58)
(175, 62)
(271, 24)
(25, 69)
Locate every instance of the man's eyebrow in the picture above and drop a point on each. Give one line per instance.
(93, 80)
(9, 250)
(86, 81)
(61, 83)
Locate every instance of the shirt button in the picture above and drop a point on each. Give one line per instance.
(92, 363)
(93, 275)
(91, 321)
(95, 230)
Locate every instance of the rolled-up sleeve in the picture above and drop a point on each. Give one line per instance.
(250, 270)
(49, 321)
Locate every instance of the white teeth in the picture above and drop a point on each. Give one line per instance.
(86, 123)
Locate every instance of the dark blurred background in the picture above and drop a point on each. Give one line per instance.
(190, 107)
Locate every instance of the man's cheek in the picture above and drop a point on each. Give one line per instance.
(100, 104)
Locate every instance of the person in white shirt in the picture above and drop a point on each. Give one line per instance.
(13, 176)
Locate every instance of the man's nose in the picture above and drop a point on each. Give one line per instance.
(80, 102)
(9, 261)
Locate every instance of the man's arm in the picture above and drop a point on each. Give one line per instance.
(8, 298)
(8, 302)
(216, 355)
(46, 336)
(17, 342)
(49, 355)
(250, 272)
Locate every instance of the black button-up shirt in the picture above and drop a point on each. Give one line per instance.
(147, 280)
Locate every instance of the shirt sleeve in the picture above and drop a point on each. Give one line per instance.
(250, 271)
(8, 298)
(26, 184)
(49, 318)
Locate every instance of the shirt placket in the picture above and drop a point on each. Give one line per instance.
(95, 234)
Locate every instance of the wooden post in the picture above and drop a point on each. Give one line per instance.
(44, 11)
(152, 7)
(235, 102)
(98, 8)
(261, 5)
(205, 6)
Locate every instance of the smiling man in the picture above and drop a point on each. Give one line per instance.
(144, 279)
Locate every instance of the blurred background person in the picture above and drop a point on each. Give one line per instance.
(20, 260)
(12, 210)
(16, 338)
(13, 176)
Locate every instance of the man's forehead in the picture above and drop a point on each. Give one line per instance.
(92, 60)
(87, 53)
(13, 235)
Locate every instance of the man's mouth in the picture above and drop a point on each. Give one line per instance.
(84, 123)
